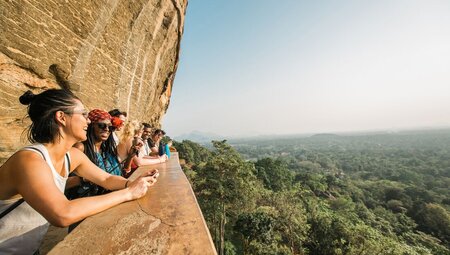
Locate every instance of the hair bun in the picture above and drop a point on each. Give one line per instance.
(27, 97)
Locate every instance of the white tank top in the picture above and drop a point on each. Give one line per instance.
(22, 229)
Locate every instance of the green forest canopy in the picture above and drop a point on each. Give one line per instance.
(325, 194)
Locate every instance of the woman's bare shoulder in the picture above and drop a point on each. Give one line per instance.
(22, 168)
(24, 158)
(75, 152)
(77, 157)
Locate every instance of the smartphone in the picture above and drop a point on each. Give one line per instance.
(136, 141)
(155, 173)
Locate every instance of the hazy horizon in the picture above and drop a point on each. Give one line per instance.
(296, 67)
(343, 132)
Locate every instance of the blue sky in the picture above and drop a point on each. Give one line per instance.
(285, 67)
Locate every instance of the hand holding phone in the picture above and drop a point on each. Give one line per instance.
(154, 173)
(137, 144)
(139, 187)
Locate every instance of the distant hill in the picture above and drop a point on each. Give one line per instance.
(325, 135)
(199, 137)
(206, 137)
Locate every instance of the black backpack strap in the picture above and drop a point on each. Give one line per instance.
(68, 161)
(12, 207)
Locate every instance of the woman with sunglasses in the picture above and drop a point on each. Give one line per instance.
(100, 146)
(33, 179)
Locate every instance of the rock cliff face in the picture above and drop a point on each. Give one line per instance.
(113, 54)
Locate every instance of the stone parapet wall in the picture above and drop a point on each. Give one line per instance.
(113, 54)
(167, 220)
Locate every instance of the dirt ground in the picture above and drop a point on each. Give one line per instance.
(53, 237)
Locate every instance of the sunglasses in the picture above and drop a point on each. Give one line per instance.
(104, 126)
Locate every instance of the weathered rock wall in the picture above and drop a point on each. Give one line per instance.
(114, 54)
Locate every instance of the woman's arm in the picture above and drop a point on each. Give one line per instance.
(143, 160)
(151, 157)
(33, 180)
(88, 170)
(132, 153)
(154, 151)
(149, 160)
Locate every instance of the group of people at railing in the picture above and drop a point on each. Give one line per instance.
(77, 166)
(137, 145)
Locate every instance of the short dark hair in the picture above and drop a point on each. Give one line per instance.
(115, 113)
(159, 131)
(146, 125)
(41, 110)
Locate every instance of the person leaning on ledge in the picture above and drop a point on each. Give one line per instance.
(155, 140)
(32, 180)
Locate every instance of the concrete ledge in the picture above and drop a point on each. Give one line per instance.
(167, 220)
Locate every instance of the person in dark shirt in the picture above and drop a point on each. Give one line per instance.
(146, 132)
(155, 140)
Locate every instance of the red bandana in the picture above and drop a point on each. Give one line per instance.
(97, 115)
(116, 122)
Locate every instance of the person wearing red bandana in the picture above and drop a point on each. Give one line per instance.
(118, 121)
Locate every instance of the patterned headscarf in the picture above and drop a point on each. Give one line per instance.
(97, 115)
